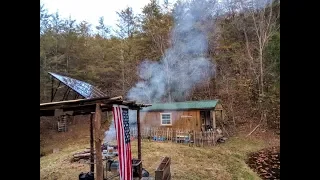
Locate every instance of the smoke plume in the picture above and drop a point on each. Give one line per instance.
(110, 134)
(185, 64)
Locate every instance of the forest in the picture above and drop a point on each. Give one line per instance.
(229, 50)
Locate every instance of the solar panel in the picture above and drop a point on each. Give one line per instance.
(86, 90)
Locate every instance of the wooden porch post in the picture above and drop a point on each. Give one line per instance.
(91, 144)
(98, 140)
(139, 143)
(213, 119)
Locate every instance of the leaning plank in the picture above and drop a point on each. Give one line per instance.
(253, 130)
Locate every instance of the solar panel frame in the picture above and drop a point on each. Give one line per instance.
(85, 89)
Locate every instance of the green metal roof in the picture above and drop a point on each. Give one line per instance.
(207, 104)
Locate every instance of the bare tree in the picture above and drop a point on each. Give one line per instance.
(264, 25)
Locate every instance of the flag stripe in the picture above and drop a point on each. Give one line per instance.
(121, 157)
(115, 112)
(121, 163)
(121, 119)
(124, 145)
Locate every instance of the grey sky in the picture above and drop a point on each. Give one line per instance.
(91, 10)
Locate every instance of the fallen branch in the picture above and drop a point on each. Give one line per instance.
(85, 155)
(83, 152)
(253, 130)
(113, 176)
(77, 157)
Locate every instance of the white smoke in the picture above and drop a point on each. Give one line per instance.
(185, 64)
(110, 134)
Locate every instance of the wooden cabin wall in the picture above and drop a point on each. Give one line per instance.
(219, 113)
(218, 116)
(153, 119)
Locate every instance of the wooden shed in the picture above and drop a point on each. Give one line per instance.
(188, 115)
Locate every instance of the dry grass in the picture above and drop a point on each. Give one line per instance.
(225, 161)
(77, 134)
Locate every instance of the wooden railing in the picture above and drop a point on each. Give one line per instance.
(191, 138)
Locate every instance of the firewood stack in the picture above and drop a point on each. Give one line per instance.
(85, 155)
(266, 163)
(81, 155)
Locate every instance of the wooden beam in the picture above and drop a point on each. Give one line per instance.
(61, 102)
(83, 101)
(91, 144)
(98, 141)
(213, 119)
(86, 106)
(86, 103)
(139, 143)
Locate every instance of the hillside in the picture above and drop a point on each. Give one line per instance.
(155, 57)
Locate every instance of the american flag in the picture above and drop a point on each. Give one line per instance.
(121, 122)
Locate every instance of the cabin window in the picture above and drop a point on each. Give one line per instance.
(165, 118)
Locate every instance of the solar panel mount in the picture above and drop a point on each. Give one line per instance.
(82, 88)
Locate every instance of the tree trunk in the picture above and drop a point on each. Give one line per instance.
(261, 71)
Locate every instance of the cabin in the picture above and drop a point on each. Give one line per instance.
(188, 115)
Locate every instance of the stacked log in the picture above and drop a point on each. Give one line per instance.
(266, 163)
(81, 155)
(85, 155)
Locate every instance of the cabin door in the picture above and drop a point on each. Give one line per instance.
(205, 120)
